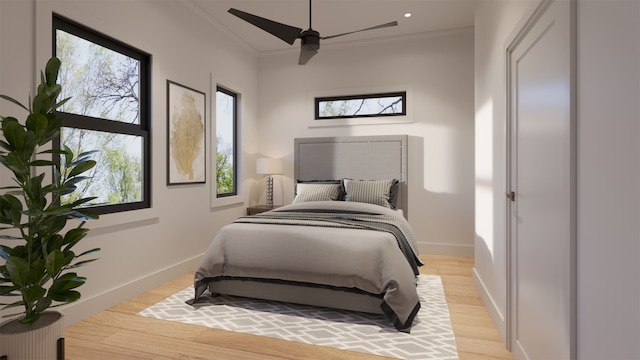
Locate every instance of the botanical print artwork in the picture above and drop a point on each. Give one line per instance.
(186, 135)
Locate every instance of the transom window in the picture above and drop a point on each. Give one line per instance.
(355, 106)
(108, 83)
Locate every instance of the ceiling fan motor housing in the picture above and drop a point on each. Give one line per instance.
(310, 40)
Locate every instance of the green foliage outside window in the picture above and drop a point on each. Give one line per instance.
(224, 169)
(105, 81)
(226, 142)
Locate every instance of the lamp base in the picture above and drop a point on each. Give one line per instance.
(270, 191)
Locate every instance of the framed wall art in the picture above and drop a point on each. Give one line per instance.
(186, 147)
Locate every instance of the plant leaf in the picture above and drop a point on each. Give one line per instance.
(73, 236)
(85, 215)
(37, 123)
(43, 163)
(18, 270)
(55, 262)
(66, 296)
(43, 304)
(51, 70)
(5, 252)
(82, 167)
(11, 129)
(33, 293)
(92, 251)
(66, 282)
(10, 209)
(4, 145)
(12, 100)
(11, 305)
(81, 263)
(7, 290)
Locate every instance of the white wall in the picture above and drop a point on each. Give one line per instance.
(438, 71)
(608, 266)
(494, 21)
(142, 249)
(608, 179)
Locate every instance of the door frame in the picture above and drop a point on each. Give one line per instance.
(528, 20)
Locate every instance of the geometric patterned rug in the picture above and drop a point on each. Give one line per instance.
(431, 336)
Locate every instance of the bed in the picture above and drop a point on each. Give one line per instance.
(344, 242)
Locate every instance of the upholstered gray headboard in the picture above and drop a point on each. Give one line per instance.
(355, 157)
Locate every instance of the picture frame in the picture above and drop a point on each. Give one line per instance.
(186, 129)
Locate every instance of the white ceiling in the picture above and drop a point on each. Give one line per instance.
(331, 17)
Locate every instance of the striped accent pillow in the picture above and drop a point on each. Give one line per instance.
(378, 192)
(317, 192)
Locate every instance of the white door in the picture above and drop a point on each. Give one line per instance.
(541, 296)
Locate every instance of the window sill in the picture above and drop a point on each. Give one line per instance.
(116, 221)
(226, 201)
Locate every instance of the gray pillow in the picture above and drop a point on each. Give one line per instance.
(310, 191)
(378, 192)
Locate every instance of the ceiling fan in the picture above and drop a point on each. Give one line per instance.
(310, 38)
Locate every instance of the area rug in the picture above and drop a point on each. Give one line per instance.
(431, 336)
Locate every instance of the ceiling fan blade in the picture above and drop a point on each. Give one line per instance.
(306, 55)
(285, 32)
(389, 24)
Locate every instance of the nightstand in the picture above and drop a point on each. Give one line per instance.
(257, 209)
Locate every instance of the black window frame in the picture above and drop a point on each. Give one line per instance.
(142, 129)
(318, 100)
(236, 101)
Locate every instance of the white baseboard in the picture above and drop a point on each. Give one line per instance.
(85, 308)
(494, 312)
(446, 249)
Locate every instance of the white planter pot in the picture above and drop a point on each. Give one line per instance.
(43, 340)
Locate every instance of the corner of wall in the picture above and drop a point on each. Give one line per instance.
(447, 249)
(494, 311)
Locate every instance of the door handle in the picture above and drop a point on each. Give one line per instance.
(511, 195)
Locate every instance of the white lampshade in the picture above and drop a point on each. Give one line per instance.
(269, 166)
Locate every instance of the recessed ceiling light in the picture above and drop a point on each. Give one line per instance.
(407, 14)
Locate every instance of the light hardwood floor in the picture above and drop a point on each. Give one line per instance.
(118, 333)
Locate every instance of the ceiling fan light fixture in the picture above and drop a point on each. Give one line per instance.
(310, 40)
(310, 46)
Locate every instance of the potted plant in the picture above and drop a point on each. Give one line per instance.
(35, 242)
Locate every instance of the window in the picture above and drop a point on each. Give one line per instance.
(108, 83)
(354, 106)
(226, 140)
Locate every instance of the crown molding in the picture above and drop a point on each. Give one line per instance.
(218, 26)
(377, 41)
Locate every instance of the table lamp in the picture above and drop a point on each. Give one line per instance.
(269, 166)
